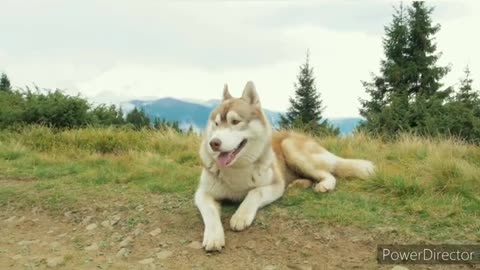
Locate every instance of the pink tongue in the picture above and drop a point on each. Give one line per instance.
(225, 158)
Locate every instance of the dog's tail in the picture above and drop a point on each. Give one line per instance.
(353, 168)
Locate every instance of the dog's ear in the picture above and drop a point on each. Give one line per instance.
(250, 94)
(226, 94)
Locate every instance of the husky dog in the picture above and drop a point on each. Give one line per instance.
(244, 161)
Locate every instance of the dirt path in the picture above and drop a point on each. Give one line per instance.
(165, 234)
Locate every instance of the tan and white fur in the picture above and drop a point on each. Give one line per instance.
(245, 161)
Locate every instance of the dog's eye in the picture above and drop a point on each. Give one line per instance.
(216, 124)
(235, 122)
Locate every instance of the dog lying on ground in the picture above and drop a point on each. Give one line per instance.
(245, 161)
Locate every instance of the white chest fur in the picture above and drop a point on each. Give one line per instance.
(235, 183)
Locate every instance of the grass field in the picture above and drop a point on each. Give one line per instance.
(424, 189)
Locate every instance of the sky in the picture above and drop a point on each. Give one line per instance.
(115, 50)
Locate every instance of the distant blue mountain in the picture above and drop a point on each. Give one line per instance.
(346, 124)
(189, 113)
(176, 110)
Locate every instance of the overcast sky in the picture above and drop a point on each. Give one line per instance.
(115, 50)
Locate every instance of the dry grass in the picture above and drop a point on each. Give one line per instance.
(424, 188)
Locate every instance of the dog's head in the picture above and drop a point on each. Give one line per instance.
(237, 131)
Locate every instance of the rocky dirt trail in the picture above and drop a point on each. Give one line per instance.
(166, 234)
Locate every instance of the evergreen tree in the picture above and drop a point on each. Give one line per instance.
(157, 123)
(388, 91)
(424, 73)
(107, 115)
(175, 126)
(138, 118)
(163, 124)
(462, 116)
(466, 94)
(395, 44)
(306, 107)
(407, 94)
(5, 83)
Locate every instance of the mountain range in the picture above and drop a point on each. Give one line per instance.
(195, 113)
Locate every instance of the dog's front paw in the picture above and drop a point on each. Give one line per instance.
(213, 240)
(240, 221)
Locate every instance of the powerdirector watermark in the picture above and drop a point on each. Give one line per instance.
(428, 254)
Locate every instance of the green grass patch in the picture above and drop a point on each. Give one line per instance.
(6, 195)
(424, 188)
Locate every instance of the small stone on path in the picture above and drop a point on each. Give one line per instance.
(126, 242)
(146, 261)
(155, 232)
(195, 245)
(123, 252)
(92, 247)
(162, 255)
(10, 219)
(106, 224)
(250, 244)
(55, 261)
(91, 227)
(114, 220)
(87, 220)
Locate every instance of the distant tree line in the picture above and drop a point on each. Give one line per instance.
(59, 110)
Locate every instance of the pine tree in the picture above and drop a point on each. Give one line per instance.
(462, 116)
(5, 83)
(306, 107)
(175, 126)
(466, 94)
(407, 94)
(157, 123)
(138, 118)
(424, 74)
(396, 45)
(388, 91)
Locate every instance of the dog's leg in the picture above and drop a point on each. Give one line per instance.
(327, 182)
(300, 183)
(255, 199)
(312, 161)
(213, 236)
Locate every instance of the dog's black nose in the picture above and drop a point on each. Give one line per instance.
(215, 144)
